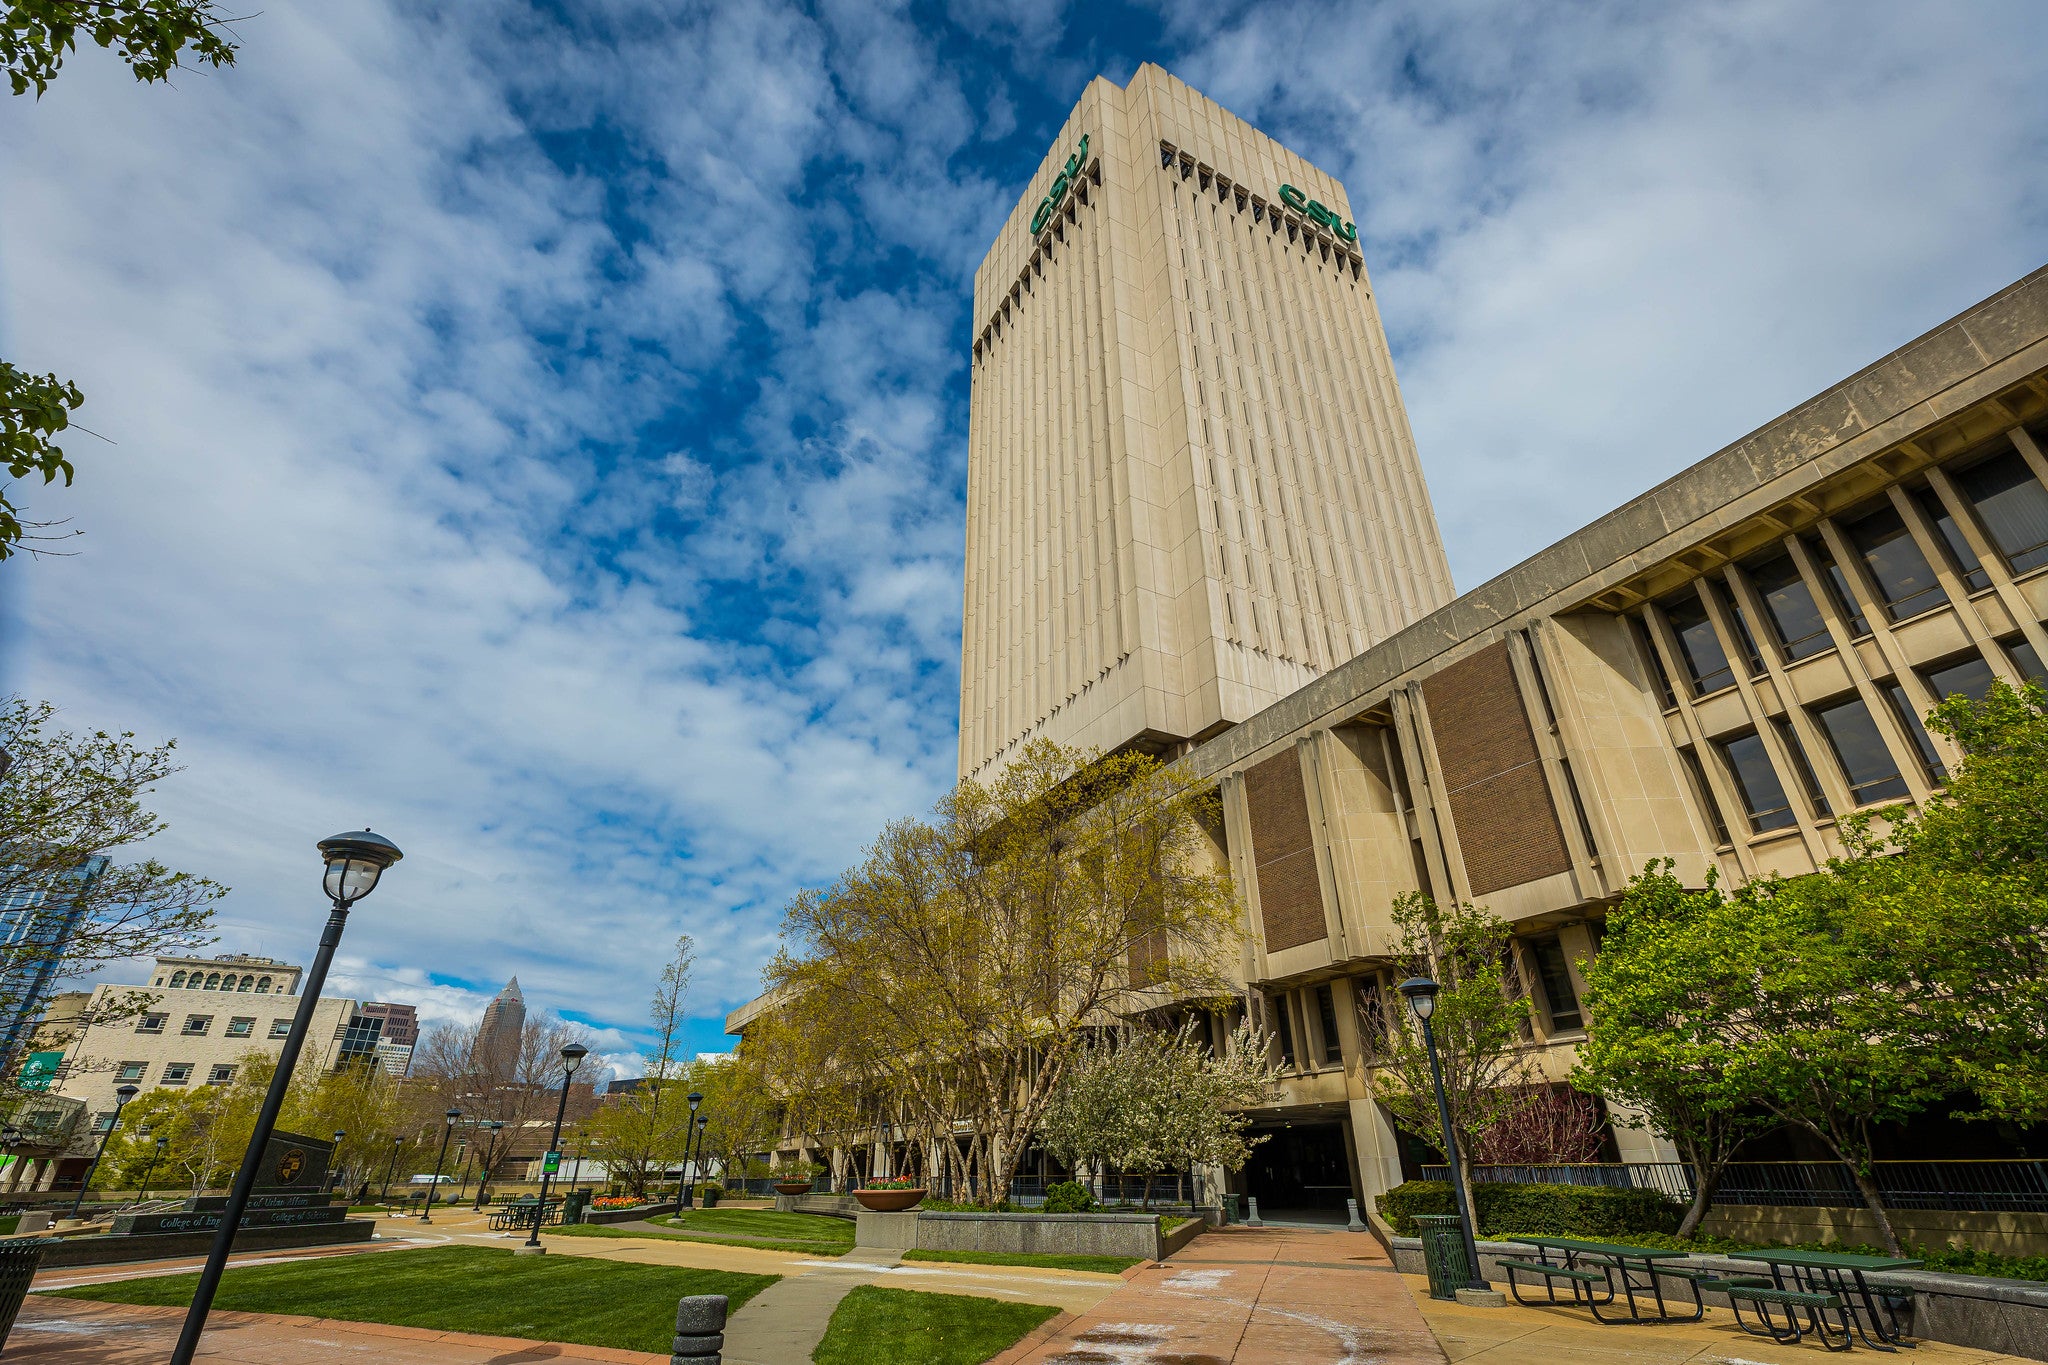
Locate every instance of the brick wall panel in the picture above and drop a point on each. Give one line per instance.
(1283, 854)
(1507, 827)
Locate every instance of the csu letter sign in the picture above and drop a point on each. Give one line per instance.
(1316, 213)
(1057, 195)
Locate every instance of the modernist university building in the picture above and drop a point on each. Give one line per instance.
(1197, 522)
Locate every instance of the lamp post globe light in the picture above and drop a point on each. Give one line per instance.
(353, 864)
(427, 1213)
(572, 1057)
(122, 1094)
(390, 1167)
(334, 1171)
(1421, 993)
(703, 1122)
(150, 1170)
(696, 1098)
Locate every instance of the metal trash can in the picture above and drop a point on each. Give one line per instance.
(1443, 1253)
(1231, 1212)
(573, 1205)
(19, 1257)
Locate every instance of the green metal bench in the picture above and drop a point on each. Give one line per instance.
(1796, 1302)
(1552, 1273)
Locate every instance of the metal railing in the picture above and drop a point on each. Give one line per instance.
(1991, 1186)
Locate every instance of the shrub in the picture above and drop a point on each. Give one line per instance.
(1069, 1196)
(1538, 1210)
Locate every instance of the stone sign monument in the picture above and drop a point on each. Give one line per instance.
(291, 1191)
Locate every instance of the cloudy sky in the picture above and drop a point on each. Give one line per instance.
(536, 430)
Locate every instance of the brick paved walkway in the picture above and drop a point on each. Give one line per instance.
(1251, 1297)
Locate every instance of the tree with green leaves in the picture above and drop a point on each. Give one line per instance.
(642, 1133)
(70, 805)
(1657, 1041)
(155, 38)
(1481, 1022)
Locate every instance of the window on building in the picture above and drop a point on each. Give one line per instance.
(1968, 567)
(1903, 576)
(212, 982)
(1745, 638)
(1923, 744)
(1795, 617)
(1326, 1016)
(2012, 505)
(2026, 660)
(221, 1074)
(1838, 586)
(262, 985)
(1283, 1029)
(1654, 661)
(1703, 792)
(1860, 749)
(152, 1023)
(1763, 796)
(177, 1073)
(1809, 780)
(1371, 1002)
(241, 1026)
(280, 1028)
(197, 1024)
(1698, 645)
(131, 1071)
(1969, 675)
(246, 983)
(177, 980)
(103, 1123)
(1560, 1000)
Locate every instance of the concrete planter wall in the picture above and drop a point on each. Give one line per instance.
(2006, 1316)
(632, 1215)
(1040, 1234)
(108, 1250)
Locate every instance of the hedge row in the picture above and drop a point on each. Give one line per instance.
(1538, 1210)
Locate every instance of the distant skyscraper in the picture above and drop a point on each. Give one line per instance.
(497, 1038)
(35, 928)
(401, 1022)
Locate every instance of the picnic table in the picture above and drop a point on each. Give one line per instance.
(1820, 1285)
(518, 1215)
(1595, 1271)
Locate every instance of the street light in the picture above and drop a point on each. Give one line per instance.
(389, 1167)
(703, 1122)
(689, 1139)
(483, 1171)
(354, 861)
(427, 1213)
(572, 1057)
(150, 1169)
(1421, 993)
(335, 1181)
(122, 1094)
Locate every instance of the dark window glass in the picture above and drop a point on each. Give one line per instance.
(1762, 794)
(1861, 751)
(2013, 507)
(1372, 1015)
(1744, 639)
(1809, 780)
(1915, 727)
(1895, 561)
(1969, 675)
(1705, 795)
(1557, 984)
(1838, 583)
(1326, 1013)
(1966, 561)
(1656, 662)
(1571, 788)
(1698, 644)
(2026, 660)
(1282, 1025)
(1789, 604)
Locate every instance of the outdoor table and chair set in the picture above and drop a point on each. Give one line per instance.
(518, 1215)
(1821, 1292)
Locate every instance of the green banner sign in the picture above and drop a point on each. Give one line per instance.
(551, 1163)
(1057, 195)
(1316, 213)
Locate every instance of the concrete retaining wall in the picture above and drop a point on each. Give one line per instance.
(826, 1205)
(2008, 1234)
(1039, 1234)
(2006, 1316)
(632, 1215)
(109, 1250)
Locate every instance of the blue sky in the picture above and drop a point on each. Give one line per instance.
(536, 431)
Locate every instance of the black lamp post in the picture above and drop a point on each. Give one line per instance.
(10, 1136)
(703, 1122)
(354, 861)
(689, 1140)
(122, 1094)
(572, 1057)
(335, 1173)
(483, 1170)
(427, 1213)
(390, 1167)
(1421, 993)
(150, 1169)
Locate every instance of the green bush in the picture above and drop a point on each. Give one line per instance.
(1069, 1196)
(1538, 1210)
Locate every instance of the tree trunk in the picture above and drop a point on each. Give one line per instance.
(1874, 1201)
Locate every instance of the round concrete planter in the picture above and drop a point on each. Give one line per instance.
(792, 1187)
(887, 1201)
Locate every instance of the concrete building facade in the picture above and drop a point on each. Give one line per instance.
(1192, 488)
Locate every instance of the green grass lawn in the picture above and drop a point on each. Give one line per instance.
(905, 1327)
(1107, 1265)
(463, 1289)
(806, 1234)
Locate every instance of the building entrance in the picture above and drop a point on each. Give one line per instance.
(1299, 1166)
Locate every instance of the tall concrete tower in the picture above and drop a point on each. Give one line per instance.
(1191, 485)
(497, 1037)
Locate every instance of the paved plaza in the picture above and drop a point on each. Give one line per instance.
(1236, 1297)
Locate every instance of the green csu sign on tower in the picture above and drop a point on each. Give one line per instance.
(1314, 212)
(1057, 195)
